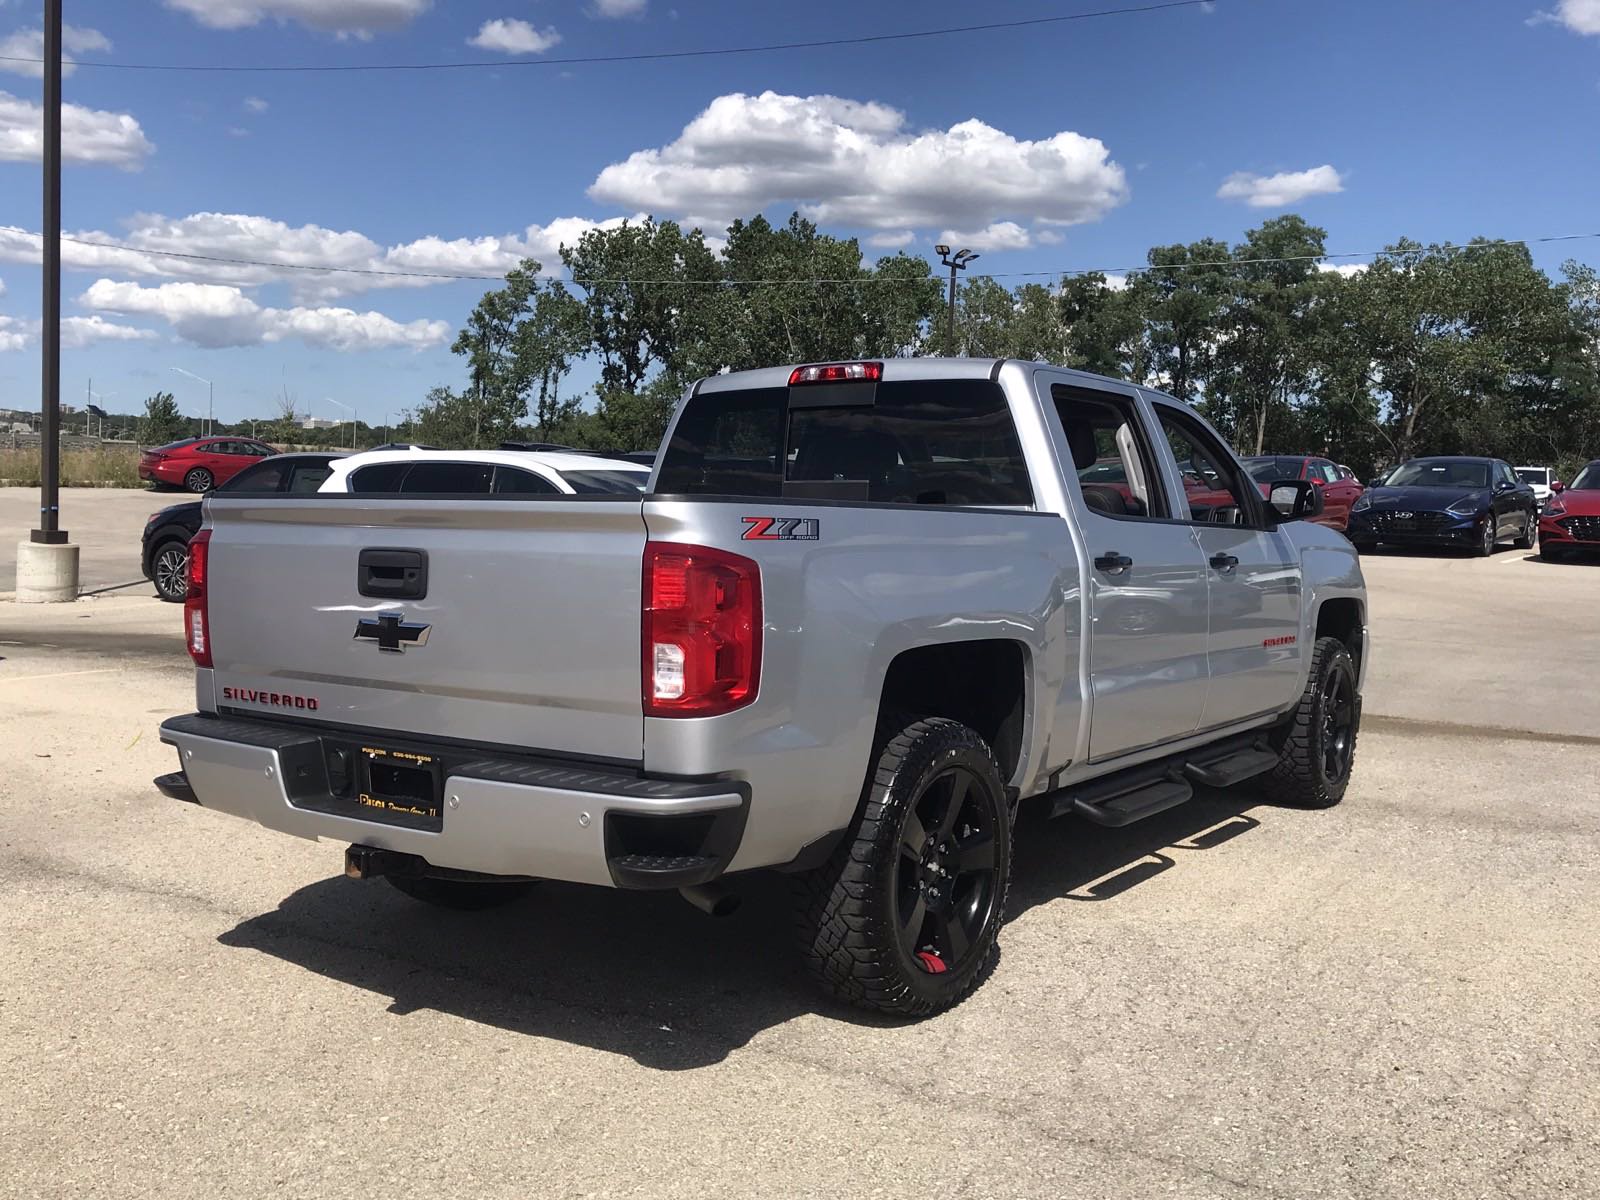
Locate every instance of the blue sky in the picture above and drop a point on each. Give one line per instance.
(1075, 145)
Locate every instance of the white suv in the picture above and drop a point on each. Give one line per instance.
(1539, 479)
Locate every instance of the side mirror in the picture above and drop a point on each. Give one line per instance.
(1295, 499)
(1504, 486)
(1373, 483)
(1558, 486)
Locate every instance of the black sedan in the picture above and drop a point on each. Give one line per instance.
(1473, 503)
(167, 532)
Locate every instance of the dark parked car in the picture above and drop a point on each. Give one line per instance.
(1570, 523)
(199, 464)
(167, 532)
(1340, 488)
(1473, 503)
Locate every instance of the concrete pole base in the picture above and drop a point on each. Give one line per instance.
(46, 574)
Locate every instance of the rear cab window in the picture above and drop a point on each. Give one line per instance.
(949, 443)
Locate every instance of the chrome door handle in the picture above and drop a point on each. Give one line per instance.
(1113, 563)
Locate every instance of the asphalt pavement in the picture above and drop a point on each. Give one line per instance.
(1393, 998)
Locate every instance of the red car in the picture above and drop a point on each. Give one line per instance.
(199, 464)
(1340, 489)
(1570, 521)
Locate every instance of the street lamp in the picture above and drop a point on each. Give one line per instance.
(211, 400)
(958, 263)
(352, 413)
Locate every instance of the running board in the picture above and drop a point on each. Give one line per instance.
(1114, 806)
(1232, 768)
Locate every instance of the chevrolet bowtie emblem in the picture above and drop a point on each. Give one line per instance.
(392, 632)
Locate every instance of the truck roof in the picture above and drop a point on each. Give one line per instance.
(894, 369)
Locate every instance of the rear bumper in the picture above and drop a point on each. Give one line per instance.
(579, 822)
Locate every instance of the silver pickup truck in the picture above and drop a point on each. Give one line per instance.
(862, 611)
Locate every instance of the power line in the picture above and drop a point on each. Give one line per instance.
(655, 56)
(869, 279)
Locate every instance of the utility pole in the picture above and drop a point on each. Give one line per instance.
(47, 566)
(958, 263)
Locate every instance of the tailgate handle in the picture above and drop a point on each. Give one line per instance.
(393, 574)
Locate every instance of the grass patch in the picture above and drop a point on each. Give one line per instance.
(118, 468)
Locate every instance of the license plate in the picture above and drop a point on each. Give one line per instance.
(398, 787)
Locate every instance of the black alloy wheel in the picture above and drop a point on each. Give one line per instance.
(945, 889)
(1317, 744)
(169, 570)
(905, 916)
(199, 481)
(1338, 709)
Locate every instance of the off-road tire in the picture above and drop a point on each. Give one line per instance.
(463, 895)
(1301, 778)
(1524, 541)
(847, 914)
(199, 481)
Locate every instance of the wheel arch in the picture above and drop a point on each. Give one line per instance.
(984, 683)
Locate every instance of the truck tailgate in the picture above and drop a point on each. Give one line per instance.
(527, 634)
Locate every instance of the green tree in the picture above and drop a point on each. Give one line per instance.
(1105, 327)
(1182, 296)
(648, 300)
(1266, 328)
(162, 421)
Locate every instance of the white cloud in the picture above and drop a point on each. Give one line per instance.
(29, 43)
(14, 334)
(77, 332)
(256, 104)
(283, 247)
(1345, 269)
(1050, 237)
(853, 163)
(1580, 16)
(1284, 188)
(618, 8)
(87, 135)
(213, 315)
(510, 36)
(897, 239)
(1001, 235)
(238, 131)
(359, 18)
(2, 287)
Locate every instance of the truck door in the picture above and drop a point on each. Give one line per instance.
(1254, 575)
(1146, 578)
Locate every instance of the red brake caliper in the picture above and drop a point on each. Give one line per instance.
(931, 962)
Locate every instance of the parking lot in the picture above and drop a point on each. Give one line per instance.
(1392, 998)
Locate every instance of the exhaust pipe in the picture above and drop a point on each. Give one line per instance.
(710, 898)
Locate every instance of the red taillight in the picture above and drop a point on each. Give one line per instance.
(196, 620)
(856, 372)
(702, 630)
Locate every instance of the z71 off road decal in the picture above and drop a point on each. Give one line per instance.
(781, 529)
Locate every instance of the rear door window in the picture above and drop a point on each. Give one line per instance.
(940, 442)
(516, 480)
(1115, 467)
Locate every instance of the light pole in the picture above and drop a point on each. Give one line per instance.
(211, 400)
(352, 413)
(93, 396)
(47, 564)
(958, 263)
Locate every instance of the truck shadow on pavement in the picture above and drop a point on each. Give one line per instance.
(646, 975)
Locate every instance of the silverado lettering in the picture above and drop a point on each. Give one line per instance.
(271, 699)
